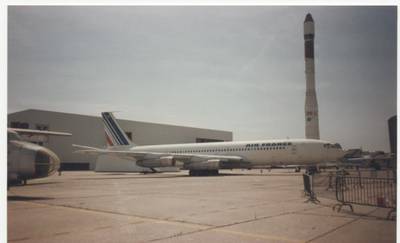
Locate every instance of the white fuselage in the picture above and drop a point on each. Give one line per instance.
(259, 153)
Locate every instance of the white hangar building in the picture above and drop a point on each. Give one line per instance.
(88, 130)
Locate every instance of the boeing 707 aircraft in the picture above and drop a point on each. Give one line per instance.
(208, 158)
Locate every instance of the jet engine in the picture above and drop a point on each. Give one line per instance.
(212, 164)
(30, 161)
(166, 161)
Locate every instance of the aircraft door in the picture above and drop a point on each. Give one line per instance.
(294, 149)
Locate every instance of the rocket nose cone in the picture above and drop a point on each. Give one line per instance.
(309, 18)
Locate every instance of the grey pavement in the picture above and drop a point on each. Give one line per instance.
(239, 206)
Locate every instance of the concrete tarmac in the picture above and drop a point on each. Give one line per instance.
(239, 206)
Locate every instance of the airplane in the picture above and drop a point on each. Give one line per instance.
(374, 160)
(207, 158)
(26, 160)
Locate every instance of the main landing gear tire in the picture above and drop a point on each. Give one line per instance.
(203, 172)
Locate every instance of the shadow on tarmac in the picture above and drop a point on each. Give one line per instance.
(33, 184)
(27, 198)
(156, 176)
(130, 177)
(41, 183)
(112, 176)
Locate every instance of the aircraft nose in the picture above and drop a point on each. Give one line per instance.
(46, 163)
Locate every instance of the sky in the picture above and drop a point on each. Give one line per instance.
(239, 69)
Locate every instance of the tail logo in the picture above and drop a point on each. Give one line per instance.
(114, 133)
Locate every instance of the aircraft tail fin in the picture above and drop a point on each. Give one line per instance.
(114, 133)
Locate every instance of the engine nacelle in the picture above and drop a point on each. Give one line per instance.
(212, 164)
(167, 161)
(29, 161)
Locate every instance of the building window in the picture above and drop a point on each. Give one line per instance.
(16, 124)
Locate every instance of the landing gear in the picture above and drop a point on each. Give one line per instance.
(203, 172)
(312, 170)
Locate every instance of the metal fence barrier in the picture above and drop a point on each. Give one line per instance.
(362, 187)
(377, 192)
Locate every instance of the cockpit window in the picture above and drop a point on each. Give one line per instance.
(336, 145)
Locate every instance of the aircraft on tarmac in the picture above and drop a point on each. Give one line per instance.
(26, 160)
(208, 158)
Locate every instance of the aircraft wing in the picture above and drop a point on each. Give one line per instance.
(39, 132)
(127, 154)
(143, 155)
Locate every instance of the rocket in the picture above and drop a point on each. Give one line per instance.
(311, 105)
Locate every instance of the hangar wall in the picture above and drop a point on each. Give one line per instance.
(88, 130)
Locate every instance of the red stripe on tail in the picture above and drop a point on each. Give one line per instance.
(109, 142)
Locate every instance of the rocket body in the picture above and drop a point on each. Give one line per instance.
(311, 105)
